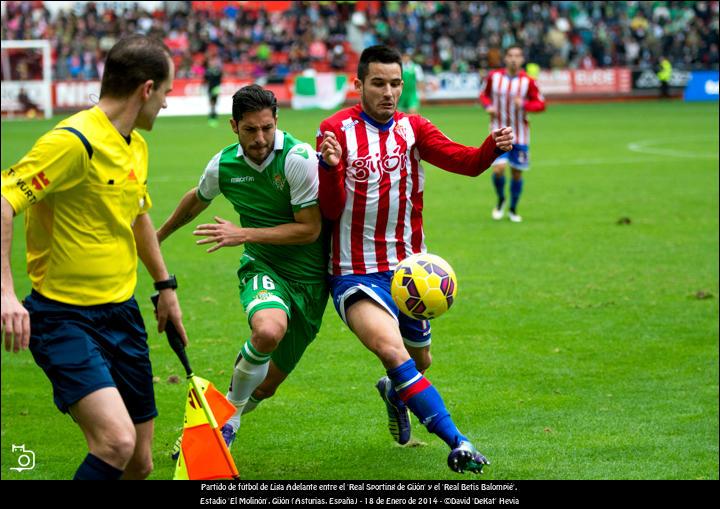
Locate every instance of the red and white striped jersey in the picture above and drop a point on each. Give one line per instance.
(500, 92)
(374, 196)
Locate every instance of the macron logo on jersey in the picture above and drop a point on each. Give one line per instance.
(242, 180)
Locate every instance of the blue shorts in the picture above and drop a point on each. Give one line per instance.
(346, 290)
(518, 158)
(86, 348)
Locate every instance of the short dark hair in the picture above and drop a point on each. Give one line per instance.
(514, 46)
(132, 61)
(252, 98)
(381, 54)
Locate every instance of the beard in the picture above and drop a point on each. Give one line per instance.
(378, 113)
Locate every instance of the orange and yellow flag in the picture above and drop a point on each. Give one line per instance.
(203, 453)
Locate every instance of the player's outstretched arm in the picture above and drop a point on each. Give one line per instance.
(438, 149)
(15, 318)
(189, 208)
(304, 230)
(148, 250)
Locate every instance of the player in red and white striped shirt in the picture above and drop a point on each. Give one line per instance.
(509, 94)
(371, 187)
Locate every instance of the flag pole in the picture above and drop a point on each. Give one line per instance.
(176, 344)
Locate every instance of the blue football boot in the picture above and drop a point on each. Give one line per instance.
(398, 418)
(228, 434)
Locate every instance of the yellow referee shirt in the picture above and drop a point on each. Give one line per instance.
(83, 185)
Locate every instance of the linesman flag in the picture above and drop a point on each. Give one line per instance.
(203, 453)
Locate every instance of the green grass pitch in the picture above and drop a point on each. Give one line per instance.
(579, 346)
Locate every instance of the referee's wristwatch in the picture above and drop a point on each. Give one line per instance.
(170, 283)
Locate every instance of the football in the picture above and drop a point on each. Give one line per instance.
(424, 286)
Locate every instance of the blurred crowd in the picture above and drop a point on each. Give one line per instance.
(455, 36)
(564, 34)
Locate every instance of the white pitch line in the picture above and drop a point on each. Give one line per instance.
(646, 147)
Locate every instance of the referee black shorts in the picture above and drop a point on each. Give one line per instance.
(86, 348)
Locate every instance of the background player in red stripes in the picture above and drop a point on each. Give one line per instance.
(371, 187)
(509, 94)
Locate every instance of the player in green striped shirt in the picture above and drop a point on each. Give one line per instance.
(272, 182)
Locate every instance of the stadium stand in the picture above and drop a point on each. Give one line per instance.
(271, 40)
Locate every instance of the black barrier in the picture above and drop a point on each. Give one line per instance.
(473, 492)
(361, 493)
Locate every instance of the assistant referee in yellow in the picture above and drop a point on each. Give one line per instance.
(83, 188)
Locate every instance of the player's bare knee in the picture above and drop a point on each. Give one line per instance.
(390, 354)
(117, 448)
(267, 335)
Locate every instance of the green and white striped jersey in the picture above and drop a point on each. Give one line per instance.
(268, 195)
